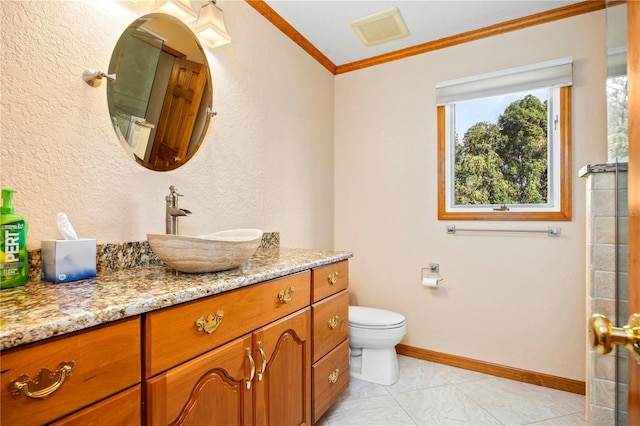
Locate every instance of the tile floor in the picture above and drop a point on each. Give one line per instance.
(434, 394)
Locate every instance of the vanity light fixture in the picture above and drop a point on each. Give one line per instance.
(181, 9)
(210, 27)
(204, 17)
(94, 78)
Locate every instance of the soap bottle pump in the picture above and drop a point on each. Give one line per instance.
(14, 264)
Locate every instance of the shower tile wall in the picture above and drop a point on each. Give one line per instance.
(601, 281)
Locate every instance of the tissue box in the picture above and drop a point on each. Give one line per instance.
(68, 260)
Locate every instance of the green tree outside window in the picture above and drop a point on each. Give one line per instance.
(507, 162)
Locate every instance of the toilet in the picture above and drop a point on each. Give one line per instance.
(373, 335)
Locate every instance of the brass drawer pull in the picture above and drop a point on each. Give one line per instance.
(333, 377)
(333, 322)
(333, 278)
(211, 323)
(44, 384)
(264, 362)
(285, 296)
(253, 368)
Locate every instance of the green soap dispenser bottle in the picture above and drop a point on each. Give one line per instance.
(14, 264)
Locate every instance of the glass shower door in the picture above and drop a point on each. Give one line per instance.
(618, 142)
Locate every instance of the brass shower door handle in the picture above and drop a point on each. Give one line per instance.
(603, 336)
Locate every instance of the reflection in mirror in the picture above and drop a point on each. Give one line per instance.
(160, 101)
(617, 87)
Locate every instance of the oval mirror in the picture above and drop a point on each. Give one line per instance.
(160, 102)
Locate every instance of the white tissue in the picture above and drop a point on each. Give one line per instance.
(65, 227)
(430, 282)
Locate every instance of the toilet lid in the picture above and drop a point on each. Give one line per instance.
(373, 317)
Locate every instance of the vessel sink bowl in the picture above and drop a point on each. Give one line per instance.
(214, 252)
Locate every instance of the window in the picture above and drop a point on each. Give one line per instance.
(504, 145)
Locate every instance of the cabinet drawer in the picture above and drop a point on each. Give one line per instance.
(330, 279)
(330, 378)
(330, 323)
(174, 337)
(121, 409)
(107, 360)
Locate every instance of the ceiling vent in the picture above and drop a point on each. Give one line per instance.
(381, 27)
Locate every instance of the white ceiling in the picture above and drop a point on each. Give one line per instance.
(325, 23)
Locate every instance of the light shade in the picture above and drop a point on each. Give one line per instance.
(210, 26)
(181, 9)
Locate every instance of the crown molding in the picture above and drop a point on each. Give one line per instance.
(580, 8)
(272, 16)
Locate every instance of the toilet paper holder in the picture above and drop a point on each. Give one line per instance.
(427, 274)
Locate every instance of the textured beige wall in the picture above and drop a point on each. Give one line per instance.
(267, 161)
(511, 300)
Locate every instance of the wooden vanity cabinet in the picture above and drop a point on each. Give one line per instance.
(330, 324)
(273, 353)
(103, 362)
(262, 377)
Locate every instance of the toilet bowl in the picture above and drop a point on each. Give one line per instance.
(373, 335)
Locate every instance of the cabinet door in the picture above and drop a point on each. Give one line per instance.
(282, 352)
(213, 389)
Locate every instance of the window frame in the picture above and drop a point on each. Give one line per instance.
(565, 211)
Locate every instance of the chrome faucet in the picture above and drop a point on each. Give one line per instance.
(173, 211)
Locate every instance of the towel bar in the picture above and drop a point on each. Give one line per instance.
(552, 231)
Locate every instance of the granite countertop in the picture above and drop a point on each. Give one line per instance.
(39, 310)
